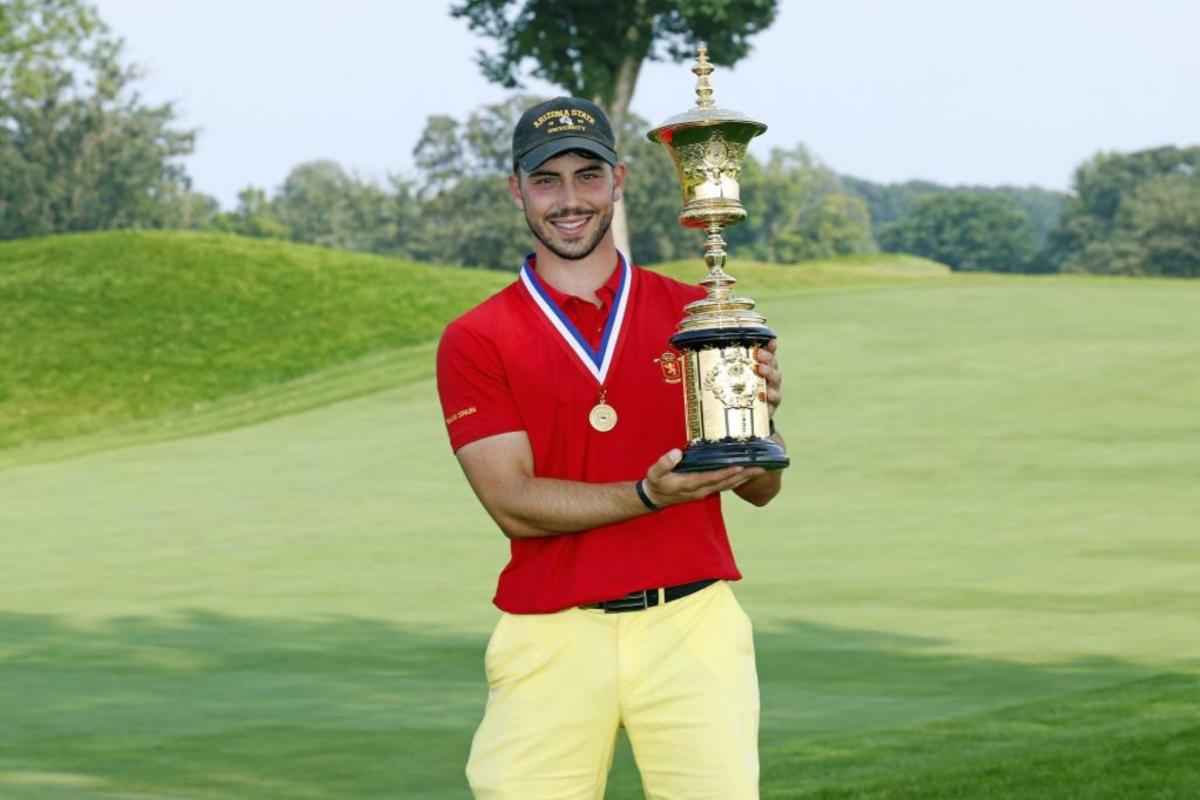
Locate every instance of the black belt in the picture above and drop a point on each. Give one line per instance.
(646, 598)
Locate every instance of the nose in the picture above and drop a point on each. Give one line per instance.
(566, 194)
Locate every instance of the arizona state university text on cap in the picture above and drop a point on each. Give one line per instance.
(559, 125)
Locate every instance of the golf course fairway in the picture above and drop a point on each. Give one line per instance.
(982, 578)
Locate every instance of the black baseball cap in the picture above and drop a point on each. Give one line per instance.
(559, 125)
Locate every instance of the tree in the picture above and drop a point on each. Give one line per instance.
(797, 210)
(888, 202)
(473, 224)
(253, 216)
(439, 154)
(1101, 185)
(179, 207)
(467, 217)
(79, 150)
(1156, 231)
(320, 203)
(595, 48)
(969, 231)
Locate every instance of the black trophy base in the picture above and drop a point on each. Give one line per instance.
(704, 456)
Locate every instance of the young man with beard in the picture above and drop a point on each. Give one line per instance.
(564, 406)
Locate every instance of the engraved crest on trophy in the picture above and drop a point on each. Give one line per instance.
(725, 399)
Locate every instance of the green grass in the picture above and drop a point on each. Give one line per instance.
(1135, 739)
(856, 271)
(980, 582)
(105, 328)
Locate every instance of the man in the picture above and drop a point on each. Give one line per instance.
(564, 407)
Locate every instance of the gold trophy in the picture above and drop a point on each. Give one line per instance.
(725, 398)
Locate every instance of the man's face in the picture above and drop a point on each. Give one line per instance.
(568, 202)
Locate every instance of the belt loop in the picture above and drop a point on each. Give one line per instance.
(662, 595)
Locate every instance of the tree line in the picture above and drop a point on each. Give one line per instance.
(80, 150)
(1127, 214)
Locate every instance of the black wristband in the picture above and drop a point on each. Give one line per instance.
(771, 426)
(645, 498)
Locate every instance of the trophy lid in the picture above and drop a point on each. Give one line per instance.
(706, 112)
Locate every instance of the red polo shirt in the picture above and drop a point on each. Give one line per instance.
(506, 365)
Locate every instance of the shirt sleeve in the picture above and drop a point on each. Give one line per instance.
(477, 400)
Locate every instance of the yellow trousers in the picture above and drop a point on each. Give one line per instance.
(679, 677)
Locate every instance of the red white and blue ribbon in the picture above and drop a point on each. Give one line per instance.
(596, 361)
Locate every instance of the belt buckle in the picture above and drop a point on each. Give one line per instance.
(634, 601)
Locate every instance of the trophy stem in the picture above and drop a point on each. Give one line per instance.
(719, 308)
(718, 281)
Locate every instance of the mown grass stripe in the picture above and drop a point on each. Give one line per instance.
(373, 373)
(1134, 739)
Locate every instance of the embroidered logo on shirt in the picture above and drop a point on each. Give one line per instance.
(670, 366)
(457, 415)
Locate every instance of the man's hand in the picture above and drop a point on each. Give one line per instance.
(763, 490)
(667, 488)
(768, 367)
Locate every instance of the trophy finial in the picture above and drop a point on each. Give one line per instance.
(702, 69)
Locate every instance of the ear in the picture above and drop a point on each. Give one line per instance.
(514, 190)
(618, 180)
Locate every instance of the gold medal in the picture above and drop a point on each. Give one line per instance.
(603, 417)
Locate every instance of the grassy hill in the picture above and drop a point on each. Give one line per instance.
(106, 328)
(979, 582)
(170, 333)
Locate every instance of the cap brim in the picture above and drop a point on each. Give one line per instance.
(544, 152)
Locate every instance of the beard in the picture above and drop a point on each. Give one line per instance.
(572, 249)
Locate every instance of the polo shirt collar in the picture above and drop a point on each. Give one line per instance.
(606, 293)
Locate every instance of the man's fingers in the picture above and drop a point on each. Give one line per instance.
(691, 485)
(698, 481)
(702, 484)
(768, 366)
(737, 480)
(661, 468)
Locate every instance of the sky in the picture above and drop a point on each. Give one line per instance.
(957, 92)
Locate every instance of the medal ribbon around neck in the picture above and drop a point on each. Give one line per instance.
(597, 361)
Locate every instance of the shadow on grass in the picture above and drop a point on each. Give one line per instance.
(199, 705)
(903, 724)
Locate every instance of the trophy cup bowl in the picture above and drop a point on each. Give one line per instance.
(725, 399)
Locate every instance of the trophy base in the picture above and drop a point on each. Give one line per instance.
(703, 456)
(724, 429)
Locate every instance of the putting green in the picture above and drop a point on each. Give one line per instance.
(984, 566)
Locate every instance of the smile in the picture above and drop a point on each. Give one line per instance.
(571, 226)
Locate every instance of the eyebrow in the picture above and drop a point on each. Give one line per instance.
(545, 172)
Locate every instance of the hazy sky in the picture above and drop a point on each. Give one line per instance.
(957, 92)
